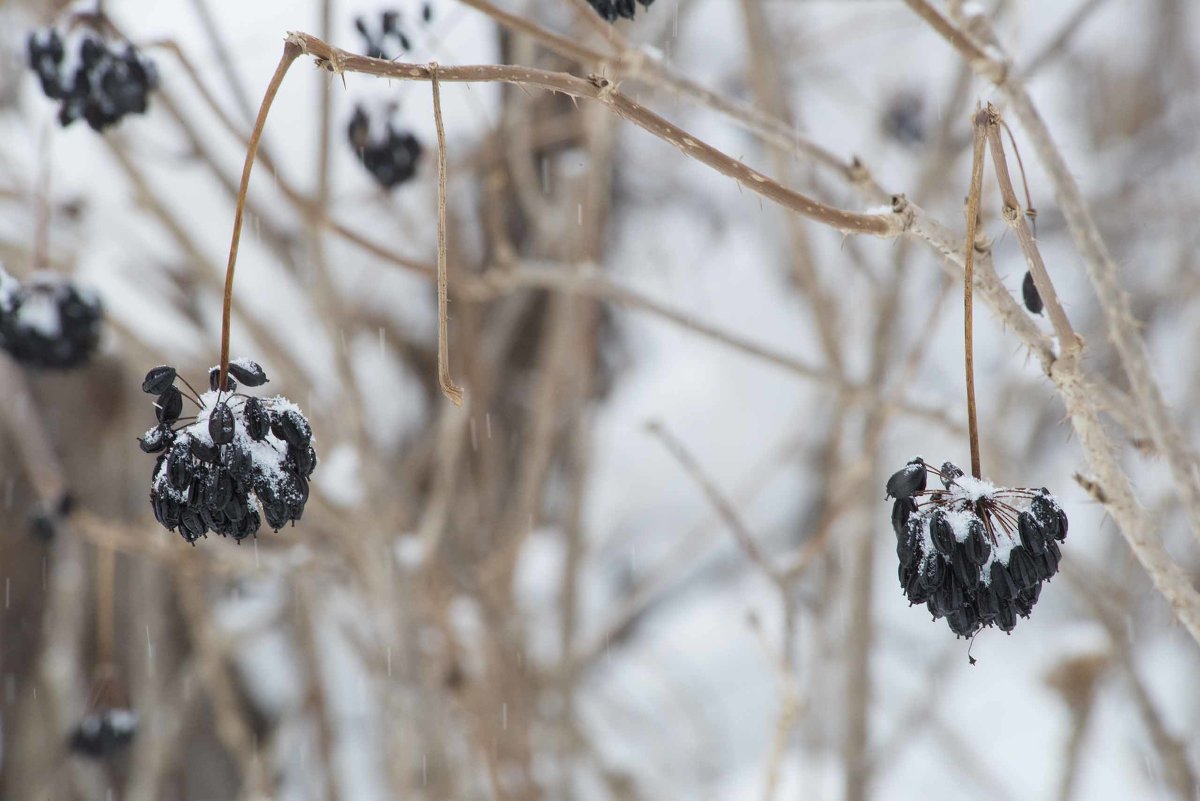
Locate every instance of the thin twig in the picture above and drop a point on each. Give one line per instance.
(448, 388)
(885, 225)
(721, 504)
(1067, 339)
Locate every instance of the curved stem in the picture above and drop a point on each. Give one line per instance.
(290, 52)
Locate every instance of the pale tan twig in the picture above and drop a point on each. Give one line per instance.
(605, 91)
(446, 383)
(733, 521)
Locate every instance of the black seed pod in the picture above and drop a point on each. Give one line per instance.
(941, 532)
(220, 424)
(1026, 599)
(932, 572)
(913, 589)
(908, 544)
(976, 546)
(1002, 583)
(1050, 515)
(179, 466)
(986, 603)
(1033, 301)
(1047, 561)
(238, 462)
(963, 621)
(169, 406)
(218, 490)
(292, 428)
(965, 570)
(1021, 568)
(950, 471)
(1006, 617)
(1033, 536)
(248, 525)
(158, 380)
(248, 372)
(303, 459)
(204, 451)
(902, 509)
(950, 595)
(191, 525)
(907, 481)
(156, 439)
(258, 422)
(214, 380)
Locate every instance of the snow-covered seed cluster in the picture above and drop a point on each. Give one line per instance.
(973, 553)
(104, 733)
(47, 321)
(236, 448)
(390, 155)
(611, 9)
(376, 40)
(89, 79)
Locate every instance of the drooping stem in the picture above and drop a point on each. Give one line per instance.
(980, 124)
(443, 353)
(290, 52)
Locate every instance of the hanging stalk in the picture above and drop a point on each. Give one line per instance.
(981, 121)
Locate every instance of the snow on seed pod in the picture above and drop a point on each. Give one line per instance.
(902, 509)
(221, 424)
(907, 481)
(248, 372)
(949, 471)
(941, 532)
(156, 439)
(1033, 535)
(976, 546)
(292, 428)
(239, 460)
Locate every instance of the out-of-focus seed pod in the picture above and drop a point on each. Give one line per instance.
(1033, 300)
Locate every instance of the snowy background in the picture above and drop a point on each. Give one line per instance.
(533, 596)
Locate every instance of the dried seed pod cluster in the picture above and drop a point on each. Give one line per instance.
(390, 30)
(611, 9)
(101, 734)
(89, 79)
(47, 321)
(390, 155)
(237, 448)
(973, 553)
